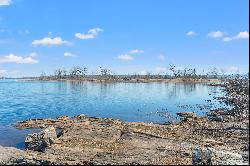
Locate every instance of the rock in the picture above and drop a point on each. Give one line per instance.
(202, 156)
(186, 115)
(227, 158)
(216, 118)
(9, 155)
(62, 118)
(245, 156)
(81, 116)
(40, 141)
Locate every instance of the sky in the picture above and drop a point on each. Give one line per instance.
(126, 36)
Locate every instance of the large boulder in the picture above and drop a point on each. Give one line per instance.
(202, 156)
(40, 141)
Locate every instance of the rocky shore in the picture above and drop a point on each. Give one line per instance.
(220, 138)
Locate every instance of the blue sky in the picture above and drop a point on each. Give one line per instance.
(125, 35)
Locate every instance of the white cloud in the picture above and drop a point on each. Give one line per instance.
(84, 36)
(95, 31)
(161, 57)
(68, 54)
(5, 2)
(240, 35)
(125, 57)
(92, 33)
(17, 59)
(135, 51)
(216, 34)
(191, 33)
(47, 41)
(226, 39)
(128, 56)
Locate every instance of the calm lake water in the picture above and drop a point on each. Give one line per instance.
(147, 102)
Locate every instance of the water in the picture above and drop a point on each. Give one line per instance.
(146, 102)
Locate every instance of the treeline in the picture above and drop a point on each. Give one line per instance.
(106, 73)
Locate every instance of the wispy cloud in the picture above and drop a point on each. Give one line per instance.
(129, 55)
(11, 58)
(33, 54)
(191, 33)
(216, 34)
(135, 51)
(240, 35)
(226, 39)
(24, 32)
(161, 57)
(5, 2)
(47, 41)
(69, 54)
(92, 33)
(3, 72)
(125, 57)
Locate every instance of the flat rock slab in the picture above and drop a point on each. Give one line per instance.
(89, 140)
(9, 155)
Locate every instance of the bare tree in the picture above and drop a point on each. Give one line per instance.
(213, 73)
(172, 68)
(85, 70)
(105, 71)
(58, 73)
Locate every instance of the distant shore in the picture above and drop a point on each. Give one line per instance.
(138, 80)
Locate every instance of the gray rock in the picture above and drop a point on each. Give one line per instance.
(202, 156)
(40, 141)
(228, 158)
(186, 115)
(9, 155)
(218, 118)
(245, 156)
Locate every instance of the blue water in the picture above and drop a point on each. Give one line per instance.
(147, 102)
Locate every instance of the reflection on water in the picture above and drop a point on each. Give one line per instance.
(147, 102)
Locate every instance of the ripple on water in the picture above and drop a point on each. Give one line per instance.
(126, 101)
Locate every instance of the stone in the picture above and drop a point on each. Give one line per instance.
(216, 118)
(81, 116)
(9, 155)
(40, 141)
(227, 158)
(62, 118)
(202, 156)
(186, 115)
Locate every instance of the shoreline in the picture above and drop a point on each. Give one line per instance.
(222, 133)
(172, 80)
